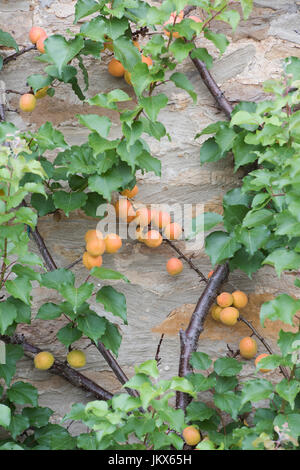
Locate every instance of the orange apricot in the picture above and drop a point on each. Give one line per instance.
(40, 44)
(191, 435)
(115, 68)
(36, 33)
(261, 356)
(229, 316)
(124, 210)
(225, 299)
(240, 299)
(90, 261)
(153, 239)
(175, 34)
(173, 231)
(143, 216)
(136, 44)
(161, 219)
(95, 247)
(174, 266)
(93, 234)
(130, 192)
(147, 60)
(27, 102)
(210, 274)
(194, 18)
(112, 243)
(248, 347)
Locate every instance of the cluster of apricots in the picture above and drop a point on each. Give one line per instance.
(226, 311)
(96, 245)
(45, 360)
(27, 103)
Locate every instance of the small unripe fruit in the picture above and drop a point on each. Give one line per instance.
(124, 210)
(147, 60)
(153, 239)
(173, 231)
(229, 316)
(127, 77)
(36, 33)
(41, 93)
(130, 193)
(248, 347)
(27, 102)
(76, 358)
(90, 261)
(115, 68)
(240, 299)
(95, 247)
(43, 360)
(215, 312)
(112, 243)
(225, 299)
(191, 435)
(93, 234)
(174, 266)
(40, 45)
(261, 356)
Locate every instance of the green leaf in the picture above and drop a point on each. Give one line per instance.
(282, 308)
(85, 8)
(148, 163)
(225, 138)
(99, 124)
(55, 437)
(49, 311)
(288, 342)
(220, 246)
(126, 52)
(38, 417)
(5, 416)
(20, 288)
(243, 153)
(200, 360)
(12, 354)
(114, 179)
(230, 402)
(42, 204)
(49, 138)
(149, 368)
(283, 259)
(245, 117)
(59, 51)
(7, 40)
(23, 310)
(256, 218)
(247, 6)
(26, 216)
(256, 390)
(69, 202)
(113, 301)
(181, 81)
(94, 29)
(202, 383)
(18, 425)
(76, 296)
(288, 390)
(141, 77)
(210, 151)
(8, 314)
(253, 239)
(68, 335)
(219, 40)
(202, 54)
(199, 411)
(109, 100)
(92, 326)
(37, 81)
(181, 384)
(54, 279)
(106, 273)
(288, 424)
(111, 338)
(23, 393)
(248, 264)
(153, 104)
(181, 49)
(227, 366)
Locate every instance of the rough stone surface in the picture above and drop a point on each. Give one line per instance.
(156, 302)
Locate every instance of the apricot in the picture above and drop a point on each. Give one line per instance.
(229, 316)
(130, 193)
(112, 243)
(191, 435)
(261, 356)
(248, 347)
(93, 234)
(179, 15)
(240, 299)
(115, 68)
(143, 216)
(40, 45)
(124, 210)
(140, 235)
(43, 360)
(90, 261)
(95, 247)
(36, 33)
(136, 44)
(225, 299)
(147, 60)
(127, 77)
(153, 239)
(161, 219)
(215, 311)
(173, 231)
(76, 358)
(41, 93)
(194, 18)
(174, 266)
(175, 35)
(210, 274)
(27, 102)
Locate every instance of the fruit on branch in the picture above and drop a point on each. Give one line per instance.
(248, 347)
(136, 44)
(124, 210)
(112, 243)
(41, 93)
(90, 261)
(140, 235)
(93, 234)
(261, 356)
(36, 33)
(27, 102)
(225, 299)
(153, 239)
(194, 18)
(161, 219)
(215, 311)
(115, 68)
(191, 435)
(147, 60)
(43, 360)
(174, 266)
(173, 231)
(240, 299)
(95, 247)
(130, 193)
(143, 216)
(40, 45)
(76, 358)
(229, 316)
(179, 18)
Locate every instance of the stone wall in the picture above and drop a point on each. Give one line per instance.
(156, 302)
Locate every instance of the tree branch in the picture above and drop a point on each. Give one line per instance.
(17, 54)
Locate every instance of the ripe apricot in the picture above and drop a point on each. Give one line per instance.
(161, 219)
(93, 234)
(36, 33)
(210, 274)
(41, 92)
(174, 266)
(90, 261)
(240, 299)
(40, 44)
(194, 18)
(229, 316)
(143, 216)
(153, 239)
(76, 358)
(43, 360)
(136, 44)
(115, 68)
(191, 435)
(124, 210)
(130, 192)
(261, 356)
(95, 247)
(224, 299)
(112, 243)
(27, 102)
(127, 77)
(215, 311)
(248, 347)
(173, 231)
(175, 35)
(147, 60)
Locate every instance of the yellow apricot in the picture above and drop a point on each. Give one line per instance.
(225, 299)
(153, 239)
(76, 358)
(41, 92)
(174, 266)
(240, 299)
(191, 435)
(93, 234)
(173, 231)
(95, 247)
(127, 77)
(143, 216)
(112, 243)
(90, 261)
(248, 347)
(27, 102)
(43, 360)
(229, 316)
(215, 311)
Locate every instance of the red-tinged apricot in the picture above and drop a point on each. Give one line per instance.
(124, 210)
(240, 299)
(225, 299)
(153, 239)
(41, 93)
(93, 234)
(36, 33)
(261, 356)
(95, 247)
(90, 261)
(229, 316)
(143, 216)
(27, 102)
(191, 435)
(215, 311)
(127, 77)
(112, 243)
(173, 231)
(40, 45)
(115, 68)
(248, 347)
(147, 60)
(210, 274)
(174, 266)
(130, 193)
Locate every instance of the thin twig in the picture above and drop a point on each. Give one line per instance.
(17, 54)
(157, 358)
